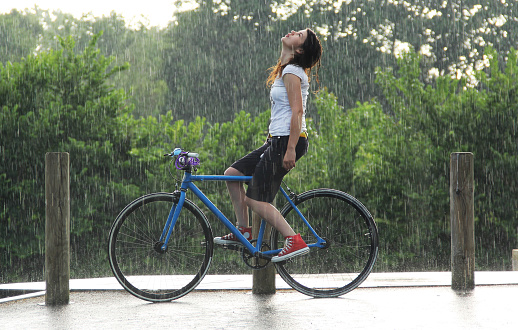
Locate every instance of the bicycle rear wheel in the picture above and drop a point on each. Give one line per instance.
(137, 260)
(350, 252)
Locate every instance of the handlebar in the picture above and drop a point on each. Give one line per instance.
(184, 160)
(179, 151)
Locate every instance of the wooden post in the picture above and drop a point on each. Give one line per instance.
(515, 259)
(57, 228)
(462, 221)
(263, 279)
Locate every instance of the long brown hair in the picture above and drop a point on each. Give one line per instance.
(310, 57)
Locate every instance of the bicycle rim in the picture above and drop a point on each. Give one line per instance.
(152, 275)
(352, 247)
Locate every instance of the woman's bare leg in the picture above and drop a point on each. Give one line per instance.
(237, 196)
(269, 213)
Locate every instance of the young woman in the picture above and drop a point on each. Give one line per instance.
(286, 143)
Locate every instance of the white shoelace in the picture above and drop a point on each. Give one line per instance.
(287, 245)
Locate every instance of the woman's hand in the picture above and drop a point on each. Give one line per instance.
(289, 159)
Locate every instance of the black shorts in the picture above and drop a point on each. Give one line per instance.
(265, 166)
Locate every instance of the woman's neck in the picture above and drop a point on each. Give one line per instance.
(286, 55)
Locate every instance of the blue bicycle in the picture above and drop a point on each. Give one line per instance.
(161, 245)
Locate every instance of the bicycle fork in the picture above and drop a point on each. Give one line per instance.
(161, 245)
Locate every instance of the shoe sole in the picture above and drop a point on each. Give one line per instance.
(297, 253)
(227, 242)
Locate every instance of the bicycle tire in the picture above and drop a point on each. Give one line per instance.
(352, 235)
(152, 275)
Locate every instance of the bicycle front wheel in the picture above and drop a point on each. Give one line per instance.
(136, 259)
(351, 245)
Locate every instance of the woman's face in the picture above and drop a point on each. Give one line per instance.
(294, 39)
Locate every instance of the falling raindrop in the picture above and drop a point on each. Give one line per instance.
(382, 125)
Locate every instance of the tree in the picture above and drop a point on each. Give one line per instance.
(142, 48)
(456, 118)
(233, 43)
(18, 35)
(59, 101)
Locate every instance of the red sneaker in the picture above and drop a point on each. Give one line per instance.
(294, 246)
(231, 239)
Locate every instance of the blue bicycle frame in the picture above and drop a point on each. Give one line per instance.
(187, 184)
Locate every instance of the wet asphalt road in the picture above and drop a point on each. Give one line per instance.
(486, 307)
